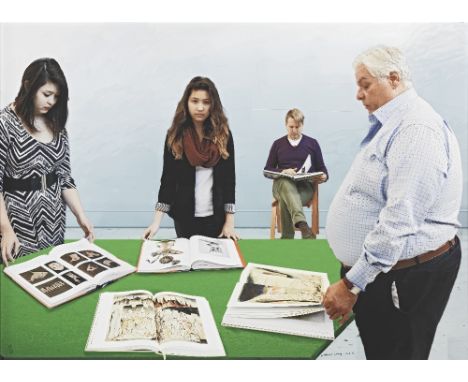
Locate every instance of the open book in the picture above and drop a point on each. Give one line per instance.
(166, 323)
(282, 300)
(301, 174)
(200, 252)
(68, 271)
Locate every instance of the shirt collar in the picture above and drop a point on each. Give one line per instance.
(384, 112)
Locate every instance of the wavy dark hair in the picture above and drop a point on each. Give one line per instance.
(37, 74)
(216, 127)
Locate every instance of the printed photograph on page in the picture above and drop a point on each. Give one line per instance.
(272, 286)
(178, 319)
(212, 248)
(132, 318)
(165, 254)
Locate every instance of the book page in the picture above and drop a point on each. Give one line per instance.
(49, 280)
(298, 177)
(305, 166)
(264, 285)
(124, 321)
(164, 255)
(315, 325)
(185, 325)
(209, 252)
(307, 176)
(178, 319)
(91, 262)
(273, 312)
(68, 271)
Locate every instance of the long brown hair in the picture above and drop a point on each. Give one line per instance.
(216, 127)
(37, 74)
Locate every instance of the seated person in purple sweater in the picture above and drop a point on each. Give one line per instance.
(287, 155)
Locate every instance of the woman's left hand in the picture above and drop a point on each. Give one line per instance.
(229, 232)
(87, 227)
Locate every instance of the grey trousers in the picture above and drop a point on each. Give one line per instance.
(291, 196)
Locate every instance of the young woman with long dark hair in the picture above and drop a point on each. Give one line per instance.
(198, 180)
(35, 176)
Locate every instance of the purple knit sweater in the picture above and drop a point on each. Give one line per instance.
(283, 155)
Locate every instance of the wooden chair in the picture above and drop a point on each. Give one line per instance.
(275, 223)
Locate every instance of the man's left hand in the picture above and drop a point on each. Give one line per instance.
(339, 301)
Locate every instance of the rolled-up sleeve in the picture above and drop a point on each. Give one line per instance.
(64, 170)
(4, 144)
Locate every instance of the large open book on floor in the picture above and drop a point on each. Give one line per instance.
(166, 323)
(68, 271)
(282, 300)
(301, 174)
(200, 252)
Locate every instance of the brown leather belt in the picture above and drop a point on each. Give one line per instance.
(423, 258)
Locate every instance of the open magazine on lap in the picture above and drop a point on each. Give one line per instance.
(301, 174)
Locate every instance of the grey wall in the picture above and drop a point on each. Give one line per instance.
(126, 79)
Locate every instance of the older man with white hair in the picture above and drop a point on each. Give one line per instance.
(393, 222)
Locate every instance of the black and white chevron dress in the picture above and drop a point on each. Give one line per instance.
(37, 217)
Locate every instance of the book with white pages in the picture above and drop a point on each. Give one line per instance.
(67, 272)
(165, 323)
(301, 174)
(278, 299)
(315, 325)
(198, 252)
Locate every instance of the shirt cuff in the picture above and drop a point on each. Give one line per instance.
(362, 273)
(67, 183)
(230, 208)
(163, 207)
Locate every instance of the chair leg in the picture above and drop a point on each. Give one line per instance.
(273, 222)
(315, 212)
(278, 219)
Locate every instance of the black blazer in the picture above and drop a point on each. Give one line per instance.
(178, 184)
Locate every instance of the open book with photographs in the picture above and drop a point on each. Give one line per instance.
(301, 174)
(198, 252)
(166, 323)
(68, 271)
(282, 300)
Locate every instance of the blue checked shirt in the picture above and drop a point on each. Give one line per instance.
(402, 194)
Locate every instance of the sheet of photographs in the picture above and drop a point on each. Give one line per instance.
(54, 278)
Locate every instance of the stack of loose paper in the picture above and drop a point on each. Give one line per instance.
(282, 300)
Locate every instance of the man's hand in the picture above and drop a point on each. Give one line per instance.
(323, 178)
(290, 171)
(339, 301)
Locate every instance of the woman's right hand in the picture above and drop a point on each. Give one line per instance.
(10, 245)
(151, 231)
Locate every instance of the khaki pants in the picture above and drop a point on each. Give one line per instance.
(291, 196)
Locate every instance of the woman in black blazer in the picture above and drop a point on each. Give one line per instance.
(198, 180)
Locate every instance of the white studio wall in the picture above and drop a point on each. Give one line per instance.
(125, 81)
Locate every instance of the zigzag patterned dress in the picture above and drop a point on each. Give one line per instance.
(37, 217)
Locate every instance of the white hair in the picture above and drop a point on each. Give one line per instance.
(381, 60)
